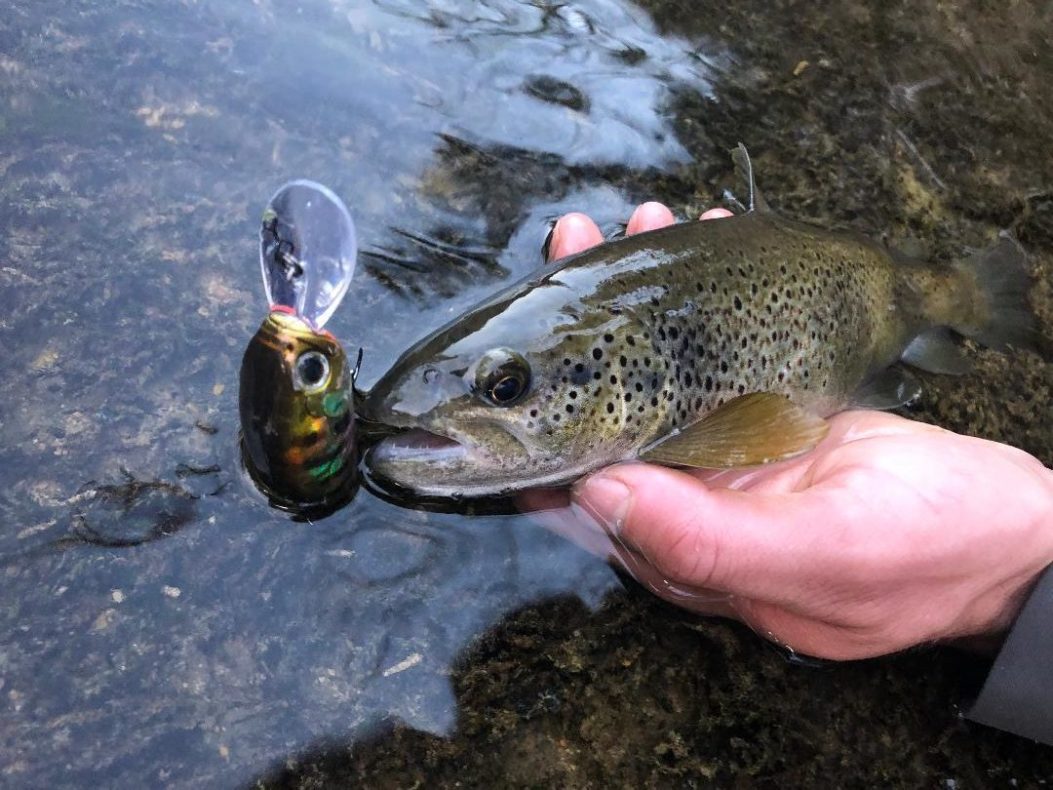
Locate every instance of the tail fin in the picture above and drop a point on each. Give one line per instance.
(1004, 318)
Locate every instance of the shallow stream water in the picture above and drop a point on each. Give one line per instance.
(162, 625)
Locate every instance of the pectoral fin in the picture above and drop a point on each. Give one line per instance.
(752, 429)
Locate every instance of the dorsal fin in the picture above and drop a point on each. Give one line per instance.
(740, 157)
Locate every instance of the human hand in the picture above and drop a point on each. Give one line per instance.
(888, 534)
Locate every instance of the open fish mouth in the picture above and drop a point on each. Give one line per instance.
(417, 445)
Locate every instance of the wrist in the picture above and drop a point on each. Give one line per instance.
(989, 637)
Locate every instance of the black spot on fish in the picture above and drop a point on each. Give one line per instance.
(597, 353)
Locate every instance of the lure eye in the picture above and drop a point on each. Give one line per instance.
(502, 377)
(311, 372)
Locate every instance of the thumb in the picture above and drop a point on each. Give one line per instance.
(752, 544)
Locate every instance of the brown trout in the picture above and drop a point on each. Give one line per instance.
(706, 344)
(297, 414)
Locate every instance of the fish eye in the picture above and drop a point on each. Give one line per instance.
(311, 371)
(502, 377)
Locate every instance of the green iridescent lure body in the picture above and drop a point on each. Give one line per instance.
(297, 414)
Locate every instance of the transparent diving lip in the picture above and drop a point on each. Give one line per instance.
(308, 250)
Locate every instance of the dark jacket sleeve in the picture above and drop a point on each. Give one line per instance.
(1018, 693)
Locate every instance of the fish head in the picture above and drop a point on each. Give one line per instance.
(297, 413)
(517, 394)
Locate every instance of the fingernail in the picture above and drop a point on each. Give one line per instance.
(606, 499)
(716, 213)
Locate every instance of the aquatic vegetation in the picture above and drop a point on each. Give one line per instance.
(131, 513)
